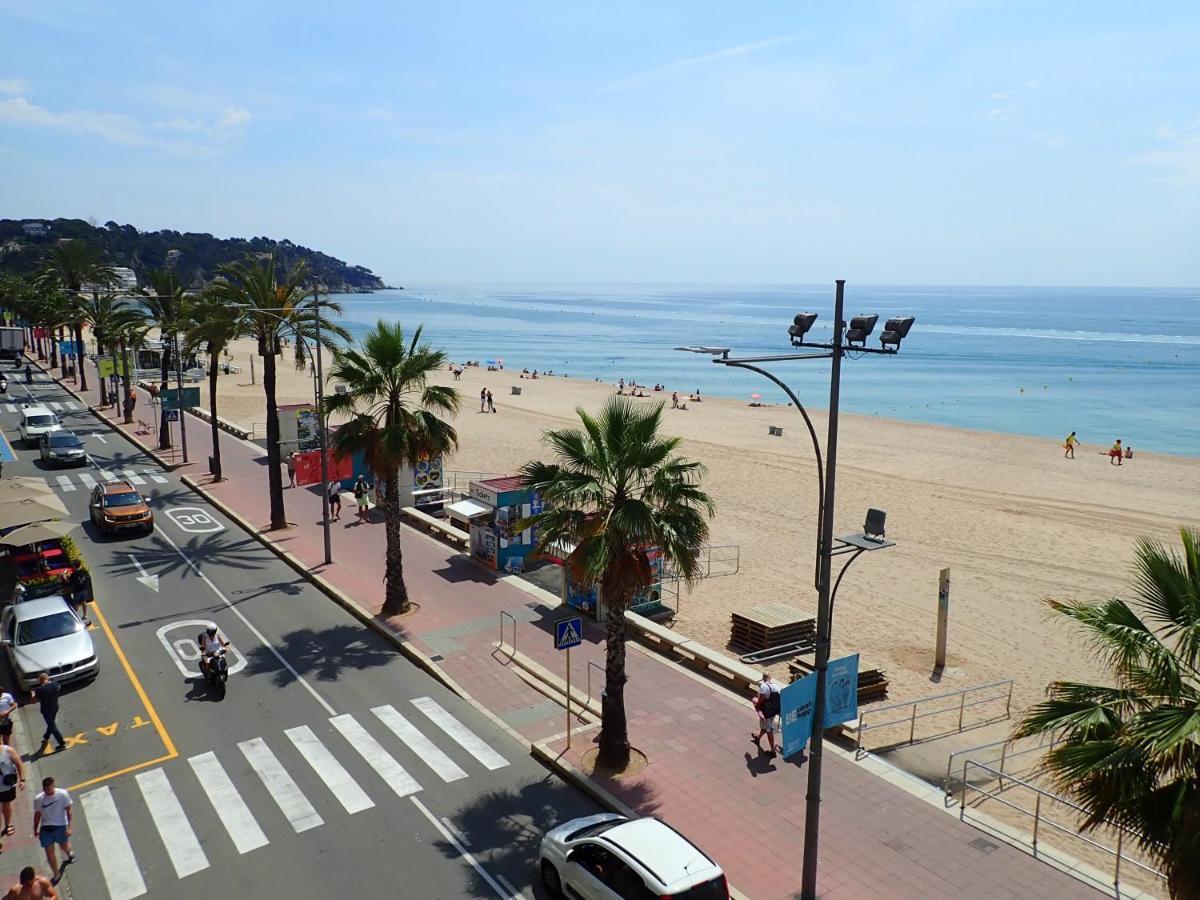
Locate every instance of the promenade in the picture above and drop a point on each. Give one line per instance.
(880, 835)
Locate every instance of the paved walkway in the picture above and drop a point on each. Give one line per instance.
(704, 775)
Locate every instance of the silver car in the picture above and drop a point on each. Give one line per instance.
(45, 635)
(62, 448)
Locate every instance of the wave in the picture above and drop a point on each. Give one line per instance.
(1063, 335)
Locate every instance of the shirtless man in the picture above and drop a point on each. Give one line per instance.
(32, 887)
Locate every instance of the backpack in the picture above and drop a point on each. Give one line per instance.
(770, 704)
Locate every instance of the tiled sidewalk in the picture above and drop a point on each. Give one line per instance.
(704, 775)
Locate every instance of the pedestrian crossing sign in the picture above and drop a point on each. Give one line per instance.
(568, 633)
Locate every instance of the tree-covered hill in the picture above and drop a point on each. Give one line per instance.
(194, 256)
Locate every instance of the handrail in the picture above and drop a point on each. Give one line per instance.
(963, 706)
(1039, 819)
(591, 665)
(1005, 756)
(504, 613)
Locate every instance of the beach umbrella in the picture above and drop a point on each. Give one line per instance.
(38, 531)
(23, 510)
(24, 487)
(756, 396)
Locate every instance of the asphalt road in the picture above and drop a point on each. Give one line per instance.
(333, 767)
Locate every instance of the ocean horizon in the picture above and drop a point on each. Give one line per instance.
(1107, 363)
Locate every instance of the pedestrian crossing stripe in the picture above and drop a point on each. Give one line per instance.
(65, 483)
(88, 480)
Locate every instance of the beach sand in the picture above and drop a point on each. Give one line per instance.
(1012, 519)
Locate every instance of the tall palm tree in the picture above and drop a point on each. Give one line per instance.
(107, 315)
(1130, 753)
(72, 265)
(274, 307)
(214, 326)
(166, 308)
(394, 421)
(617, 492)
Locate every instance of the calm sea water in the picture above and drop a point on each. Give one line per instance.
(1107, 363)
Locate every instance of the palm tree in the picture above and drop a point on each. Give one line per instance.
(214, 326)
(72, 265)
(394, 422)
(166, 308)
(107, 316)
(273, 307)
(616, 492)
(1130, 753)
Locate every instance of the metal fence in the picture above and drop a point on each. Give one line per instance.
(952, 704)
(1009, 750)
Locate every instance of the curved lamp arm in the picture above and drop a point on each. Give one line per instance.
(833, 596)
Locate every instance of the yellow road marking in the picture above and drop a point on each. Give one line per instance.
(171, 753)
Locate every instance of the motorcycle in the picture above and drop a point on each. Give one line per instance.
(216, 672)
(3, 385)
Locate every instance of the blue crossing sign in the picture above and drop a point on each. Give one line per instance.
(568, 633)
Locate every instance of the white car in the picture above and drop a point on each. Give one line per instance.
(36, 421)
(610, 857)
(45, 635)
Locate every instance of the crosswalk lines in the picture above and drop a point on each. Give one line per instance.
(89, 479)
(65, 483)
(53, 406)
(188, 853)
(132, 477)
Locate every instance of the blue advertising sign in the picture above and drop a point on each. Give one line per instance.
(66, 348)
(841, 691)
(796, 710)
(568, 633)
(170, 397)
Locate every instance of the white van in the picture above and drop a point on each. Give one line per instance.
(36, 421)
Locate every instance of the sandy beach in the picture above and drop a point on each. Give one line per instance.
(1013, 520)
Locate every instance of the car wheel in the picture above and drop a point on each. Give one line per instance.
(550, 879)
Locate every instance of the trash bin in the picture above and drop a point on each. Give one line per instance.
(212, 465)
(516, 391)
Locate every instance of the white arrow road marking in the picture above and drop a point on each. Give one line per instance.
(150, 581)
(101, 438)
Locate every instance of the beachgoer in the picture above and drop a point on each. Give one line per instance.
(362, 495)
(12, 779)
(8, 706)
(46, 694)
(674, 399)
(766, 702)
(32, 886)
(492, 403)
(1115, 453)
(483, 399)
(1069, 445)
(335, 500)
(52, 819)
(1129, 453)
(291, 468)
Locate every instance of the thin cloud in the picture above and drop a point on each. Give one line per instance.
(703, 60)
(233, 117)
(13, 86)
(112, 127)
(1180, 162)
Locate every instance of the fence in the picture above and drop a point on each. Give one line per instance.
(1001, 691)
(1093, 847)
(984, 753)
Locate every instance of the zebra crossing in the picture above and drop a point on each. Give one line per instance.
(88, 480)
(52, 405)
(176, 825)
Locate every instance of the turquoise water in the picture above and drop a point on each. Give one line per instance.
(1104, 362)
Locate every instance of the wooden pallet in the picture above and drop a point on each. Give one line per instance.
(770, 625)
(872, 683)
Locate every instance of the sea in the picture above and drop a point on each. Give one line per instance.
(1106, 363)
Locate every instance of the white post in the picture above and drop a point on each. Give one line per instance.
(943, 616)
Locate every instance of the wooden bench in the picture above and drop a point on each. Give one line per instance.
(444, 529)
(661, 635)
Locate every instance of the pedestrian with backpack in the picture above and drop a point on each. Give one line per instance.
(766, 701)
(12, 779)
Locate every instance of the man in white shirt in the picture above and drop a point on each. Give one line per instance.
(766, 702)
(52, 821)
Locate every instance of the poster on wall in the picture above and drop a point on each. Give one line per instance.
(427, 474)
(308, 467)
(583, 597)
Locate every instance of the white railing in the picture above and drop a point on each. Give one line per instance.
(994, 693)
(985, 753)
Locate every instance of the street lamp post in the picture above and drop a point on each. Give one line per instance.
(871, 539)
(179, 399)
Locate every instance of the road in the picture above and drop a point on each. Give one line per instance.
(332, 767)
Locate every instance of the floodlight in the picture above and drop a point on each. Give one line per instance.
(873, 527)
(895, 331)
(860, 329)
(801, 325)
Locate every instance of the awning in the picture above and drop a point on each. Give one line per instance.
(467, 509)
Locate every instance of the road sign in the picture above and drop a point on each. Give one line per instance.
(172, 415)
(66, 348)
(568, 633)
(796, 710)
(841, 691)
(191, 397)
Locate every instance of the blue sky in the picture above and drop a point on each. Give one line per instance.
(927, 142)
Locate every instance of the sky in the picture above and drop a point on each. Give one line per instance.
(929, 142)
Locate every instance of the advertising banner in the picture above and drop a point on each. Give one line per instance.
(796, 710)
(191, 398)
(841, 690)
(308, 467)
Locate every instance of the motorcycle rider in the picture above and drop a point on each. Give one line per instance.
(210, 643)
(3, 385)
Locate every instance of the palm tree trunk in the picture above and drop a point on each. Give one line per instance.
(614, 726)
(274, 476)
(53, 348)
(395, 599)
(212, 409)
(126, 402)
(79, 357)
(164, 430)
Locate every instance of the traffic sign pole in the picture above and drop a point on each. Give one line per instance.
(568, 698)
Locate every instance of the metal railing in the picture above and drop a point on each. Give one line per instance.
(1042, 819)
(512, 618)
(1003, 690)
(1009, 750)
(591, 665)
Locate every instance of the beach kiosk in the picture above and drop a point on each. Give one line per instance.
(590, 598)
(504, 502)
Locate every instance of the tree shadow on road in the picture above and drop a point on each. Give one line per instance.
(320, 654)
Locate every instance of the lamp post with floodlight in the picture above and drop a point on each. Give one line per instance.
(851, 338)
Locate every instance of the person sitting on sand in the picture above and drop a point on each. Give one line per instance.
(1129, 453)
(1115, 453)
(1069, 445)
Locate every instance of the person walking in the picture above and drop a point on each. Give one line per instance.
(1115, 453)
(766, 702)
(483, 399)
(291, 468)
(1069, 445)
(12, 779)
(52, 822)
(335, 500)
(8, 706)
(46, 694)
(490, 402)
(362, 497)
(32, 886)
(80, 587)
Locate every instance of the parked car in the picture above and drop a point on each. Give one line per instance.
(116, 506)
(45, 635)
(611, 857)
(62, 448)
(37, 420)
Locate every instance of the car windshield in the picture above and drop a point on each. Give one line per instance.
(593, 829)
(40, 421)
(128, 499)
(47, 628)
(65, 440)
(714, 889)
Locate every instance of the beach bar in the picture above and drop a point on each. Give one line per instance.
(504, 501)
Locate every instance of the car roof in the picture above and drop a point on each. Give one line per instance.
(62, 433)
(118, 487)
(43, 606)
(662, 850)
(37, 410)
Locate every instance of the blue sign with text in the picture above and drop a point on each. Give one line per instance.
(568, 633)
(796, 710)
(841, 691)
(66, 348)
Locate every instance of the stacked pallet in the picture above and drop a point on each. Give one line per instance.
(771, 625)
(872, 683)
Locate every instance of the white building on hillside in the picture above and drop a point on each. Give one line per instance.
(36, 229)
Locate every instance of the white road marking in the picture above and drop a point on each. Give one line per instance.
(230, 807)
(509, 887)
(492, 883)
(292, 802)
(117, 862)
(429, 752)
(187, 856)
(376, 757)
(101, 438)
(154, 476)
(458, 834)
(71, 405)
(8, 407)
(329, 770)
(57, 407)
(132, 477)
(88, 481)
(65, 483)
(107, 475)
(150, 581)
(237, 612)
(460, 733)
